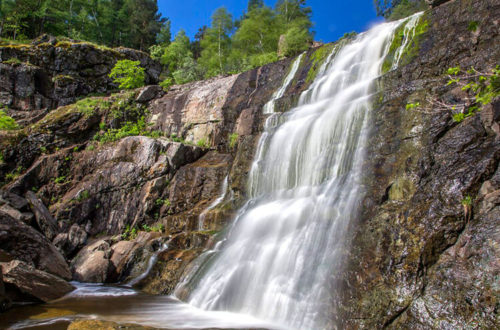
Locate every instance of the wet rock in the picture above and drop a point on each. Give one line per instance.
(34, 283)
(97, 325)
(44, 219)
(415, 260)
(22, 242)
(92, 264)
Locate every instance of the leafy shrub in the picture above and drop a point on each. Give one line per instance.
(167, 83)
(7, 122)
(233, 139)
(203, 143)
(128, 74)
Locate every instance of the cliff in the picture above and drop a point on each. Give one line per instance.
(104, 182)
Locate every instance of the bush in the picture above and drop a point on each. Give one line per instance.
(167, 83)
(7, 122)
(128, 74)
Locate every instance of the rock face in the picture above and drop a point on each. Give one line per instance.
(34, 283)
(416, 259)
(45, 75)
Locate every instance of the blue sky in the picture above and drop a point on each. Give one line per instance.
(332, 18)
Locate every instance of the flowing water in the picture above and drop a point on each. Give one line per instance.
(277, 261)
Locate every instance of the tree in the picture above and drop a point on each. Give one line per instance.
(396, 9)
(176, 52)
(252, 4)
(216, 43)
(128, 74)
(259, 32)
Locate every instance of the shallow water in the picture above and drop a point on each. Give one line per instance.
(123, 305)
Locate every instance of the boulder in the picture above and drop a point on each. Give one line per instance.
(22, 242)
(92, 264)
(4, 300)
(34, 283)
(71, 241)
(44, 219)
(148, 93)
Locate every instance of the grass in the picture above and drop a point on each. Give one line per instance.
(203, 143)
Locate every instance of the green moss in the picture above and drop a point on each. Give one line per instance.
(317, 58)
(412, 49)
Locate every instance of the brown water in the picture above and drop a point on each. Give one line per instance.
(123, 305)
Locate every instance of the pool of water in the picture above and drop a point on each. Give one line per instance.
(123, 304)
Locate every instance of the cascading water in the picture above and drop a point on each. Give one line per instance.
(284, 247)
(275, 265)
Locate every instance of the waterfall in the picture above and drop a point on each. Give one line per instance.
(284, 247)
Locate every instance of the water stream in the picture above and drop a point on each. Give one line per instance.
(276, 262)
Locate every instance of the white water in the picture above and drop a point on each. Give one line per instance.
(269, 106)
(283, 250)
(203, 215)
(408, 33)
(151, 263)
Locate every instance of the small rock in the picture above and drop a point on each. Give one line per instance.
(36, 283)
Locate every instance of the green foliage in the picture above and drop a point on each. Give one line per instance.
(83, 195)
(138, 128)
(161, 202)
(129, 23)
(410, 106)
(473, 26)
(203, 143)
(158, 228)
(43, 150)
(7, 122)
(14, 174)
(13, 61)
(129, 233)
(233, 139)
(167, 83)
(60, 179)
(467, 201)
(411, 50)
(484, 87)
(407, 8)
(297, 40)
(216, 43)
(88, 106)
(396, 9)
(128, 74)
(176, 52)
